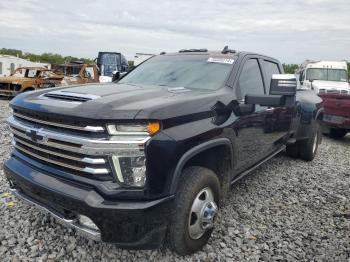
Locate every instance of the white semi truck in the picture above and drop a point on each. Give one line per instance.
(324, 76)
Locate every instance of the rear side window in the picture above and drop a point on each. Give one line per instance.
(270, 69)
(250, 80)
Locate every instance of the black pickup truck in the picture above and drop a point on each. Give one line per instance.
(150, 158)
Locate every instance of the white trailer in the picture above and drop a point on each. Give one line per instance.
(8, 64)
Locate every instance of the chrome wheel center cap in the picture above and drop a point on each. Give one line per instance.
(208, 215)
(202, 214)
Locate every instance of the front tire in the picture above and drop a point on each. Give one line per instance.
(195, 210)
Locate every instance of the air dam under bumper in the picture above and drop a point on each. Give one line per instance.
(129, 224)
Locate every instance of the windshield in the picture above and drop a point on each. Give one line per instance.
(327, 74)
(189, 71)
(30, 73)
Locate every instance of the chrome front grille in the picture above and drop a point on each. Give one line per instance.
(77, 153)
(35, 119)
(59, 155)
(332, 91)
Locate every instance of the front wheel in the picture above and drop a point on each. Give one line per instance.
(196, 207)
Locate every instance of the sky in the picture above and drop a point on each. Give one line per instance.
(290, 31)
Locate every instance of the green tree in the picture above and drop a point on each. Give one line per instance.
(13, 52)
(45, 57)
(290, 68)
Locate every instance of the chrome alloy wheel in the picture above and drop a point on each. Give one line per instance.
(202, 214)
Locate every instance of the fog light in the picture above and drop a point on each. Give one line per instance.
(130, 171)
(87, 222)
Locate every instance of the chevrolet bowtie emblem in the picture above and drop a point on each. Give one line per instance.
(33, 135)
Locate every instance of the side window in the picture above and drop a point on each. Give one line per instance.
(12, 68)
(270, 69)
(89, 72)
(250, 80)
(0, 68)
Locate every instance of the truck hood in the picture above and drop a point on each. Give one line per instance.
(330, 85)
(120, 101)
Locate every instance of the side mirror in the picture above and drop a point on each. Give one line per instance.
(116, 76)
(282, 92)
(311, 81)
(283, 84)
(271, 100)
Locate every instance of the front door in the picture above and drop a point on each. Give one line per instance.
(250, 128)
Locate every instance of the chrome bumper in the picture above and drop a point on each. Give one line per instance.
(72, 223)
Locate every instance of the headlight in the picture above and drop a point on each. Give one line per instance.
(133, 129)
(130, 170)
(129, 163)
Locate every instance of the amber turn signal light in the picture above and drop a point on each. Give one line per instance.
(153, 128)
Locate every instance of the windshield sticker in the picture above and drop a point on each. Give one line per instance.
(220, 60)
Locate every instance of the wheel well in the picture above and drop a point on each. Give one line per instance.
(218, 159)
(28, 89)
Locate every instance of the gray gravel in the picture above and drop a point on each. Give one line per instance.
(286, 210)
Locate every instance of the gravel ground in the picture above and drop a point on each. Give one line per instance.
(287, 210)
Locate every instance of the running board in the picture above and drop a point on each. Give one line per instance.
(256, 166)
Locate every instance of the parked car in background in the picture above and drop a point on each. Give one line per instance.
(324, 77)
(151, 157)
(336, 116)
(28, 79)
(76, 73)
(9, 63)
(329, 79)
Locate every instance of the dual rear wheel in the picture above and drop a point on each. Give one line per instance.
(306, 149)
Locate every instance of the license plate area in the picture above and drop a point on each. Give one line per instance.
(333, 119)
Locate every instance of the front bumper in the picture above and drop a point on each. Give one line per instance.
(337, 121)
(129, 224)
